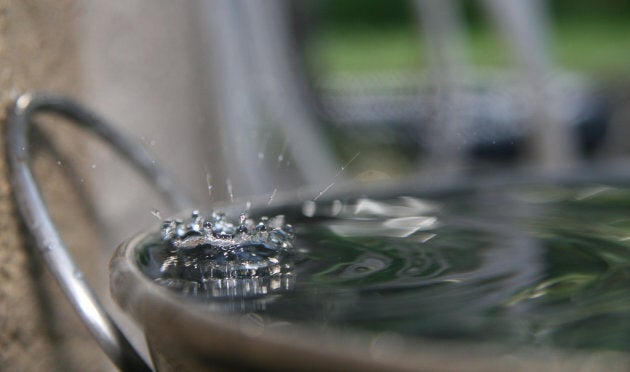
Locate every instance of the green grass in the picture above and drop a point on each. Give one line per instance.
(597, 47)
(601, 48)
(365, 50)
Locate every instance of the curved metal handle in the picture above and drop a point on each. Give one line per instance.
(37, 219)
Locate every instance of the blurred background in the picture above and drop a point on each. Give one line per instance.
(252, 99)
(247, 99)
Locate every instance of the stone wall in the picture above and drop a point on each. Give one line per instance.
(38, 329)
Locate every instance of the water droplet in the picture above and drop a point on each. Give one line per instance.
(152, 143)
(273, 195)
(261, 156)
(343, 168)
(323, 191)
(156, 213)
(282, 152)
(93, 166)
(336, 207)
(228, 184)
(209, 184)
(58, 162)
(308, 208)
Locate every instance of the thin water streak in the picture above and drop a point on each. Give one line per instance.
(272, 196)
(209, 184)
(282, 153)
(339, 172)
(228, 184)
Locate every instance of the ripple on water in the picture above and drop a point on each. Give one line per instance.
(527, 265)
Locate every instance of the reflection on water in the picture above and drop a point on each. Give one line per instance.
(527, 265)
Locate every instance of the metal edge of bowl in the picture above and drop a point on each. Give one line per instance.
(185, 335)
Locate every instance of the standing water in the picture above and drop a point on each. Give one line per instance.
(525, 265)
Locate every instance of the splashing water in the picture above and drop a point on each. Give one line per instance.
(217, 257)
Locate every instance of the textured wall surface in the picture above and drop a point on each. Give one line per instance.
(38, 329)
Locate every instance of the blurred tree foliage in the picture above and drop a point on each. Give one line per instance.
(397, 13)
(363, 14)
(364, 35)
(588, 9)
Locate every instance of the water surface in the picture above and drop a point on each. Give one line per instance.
(526, 265)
